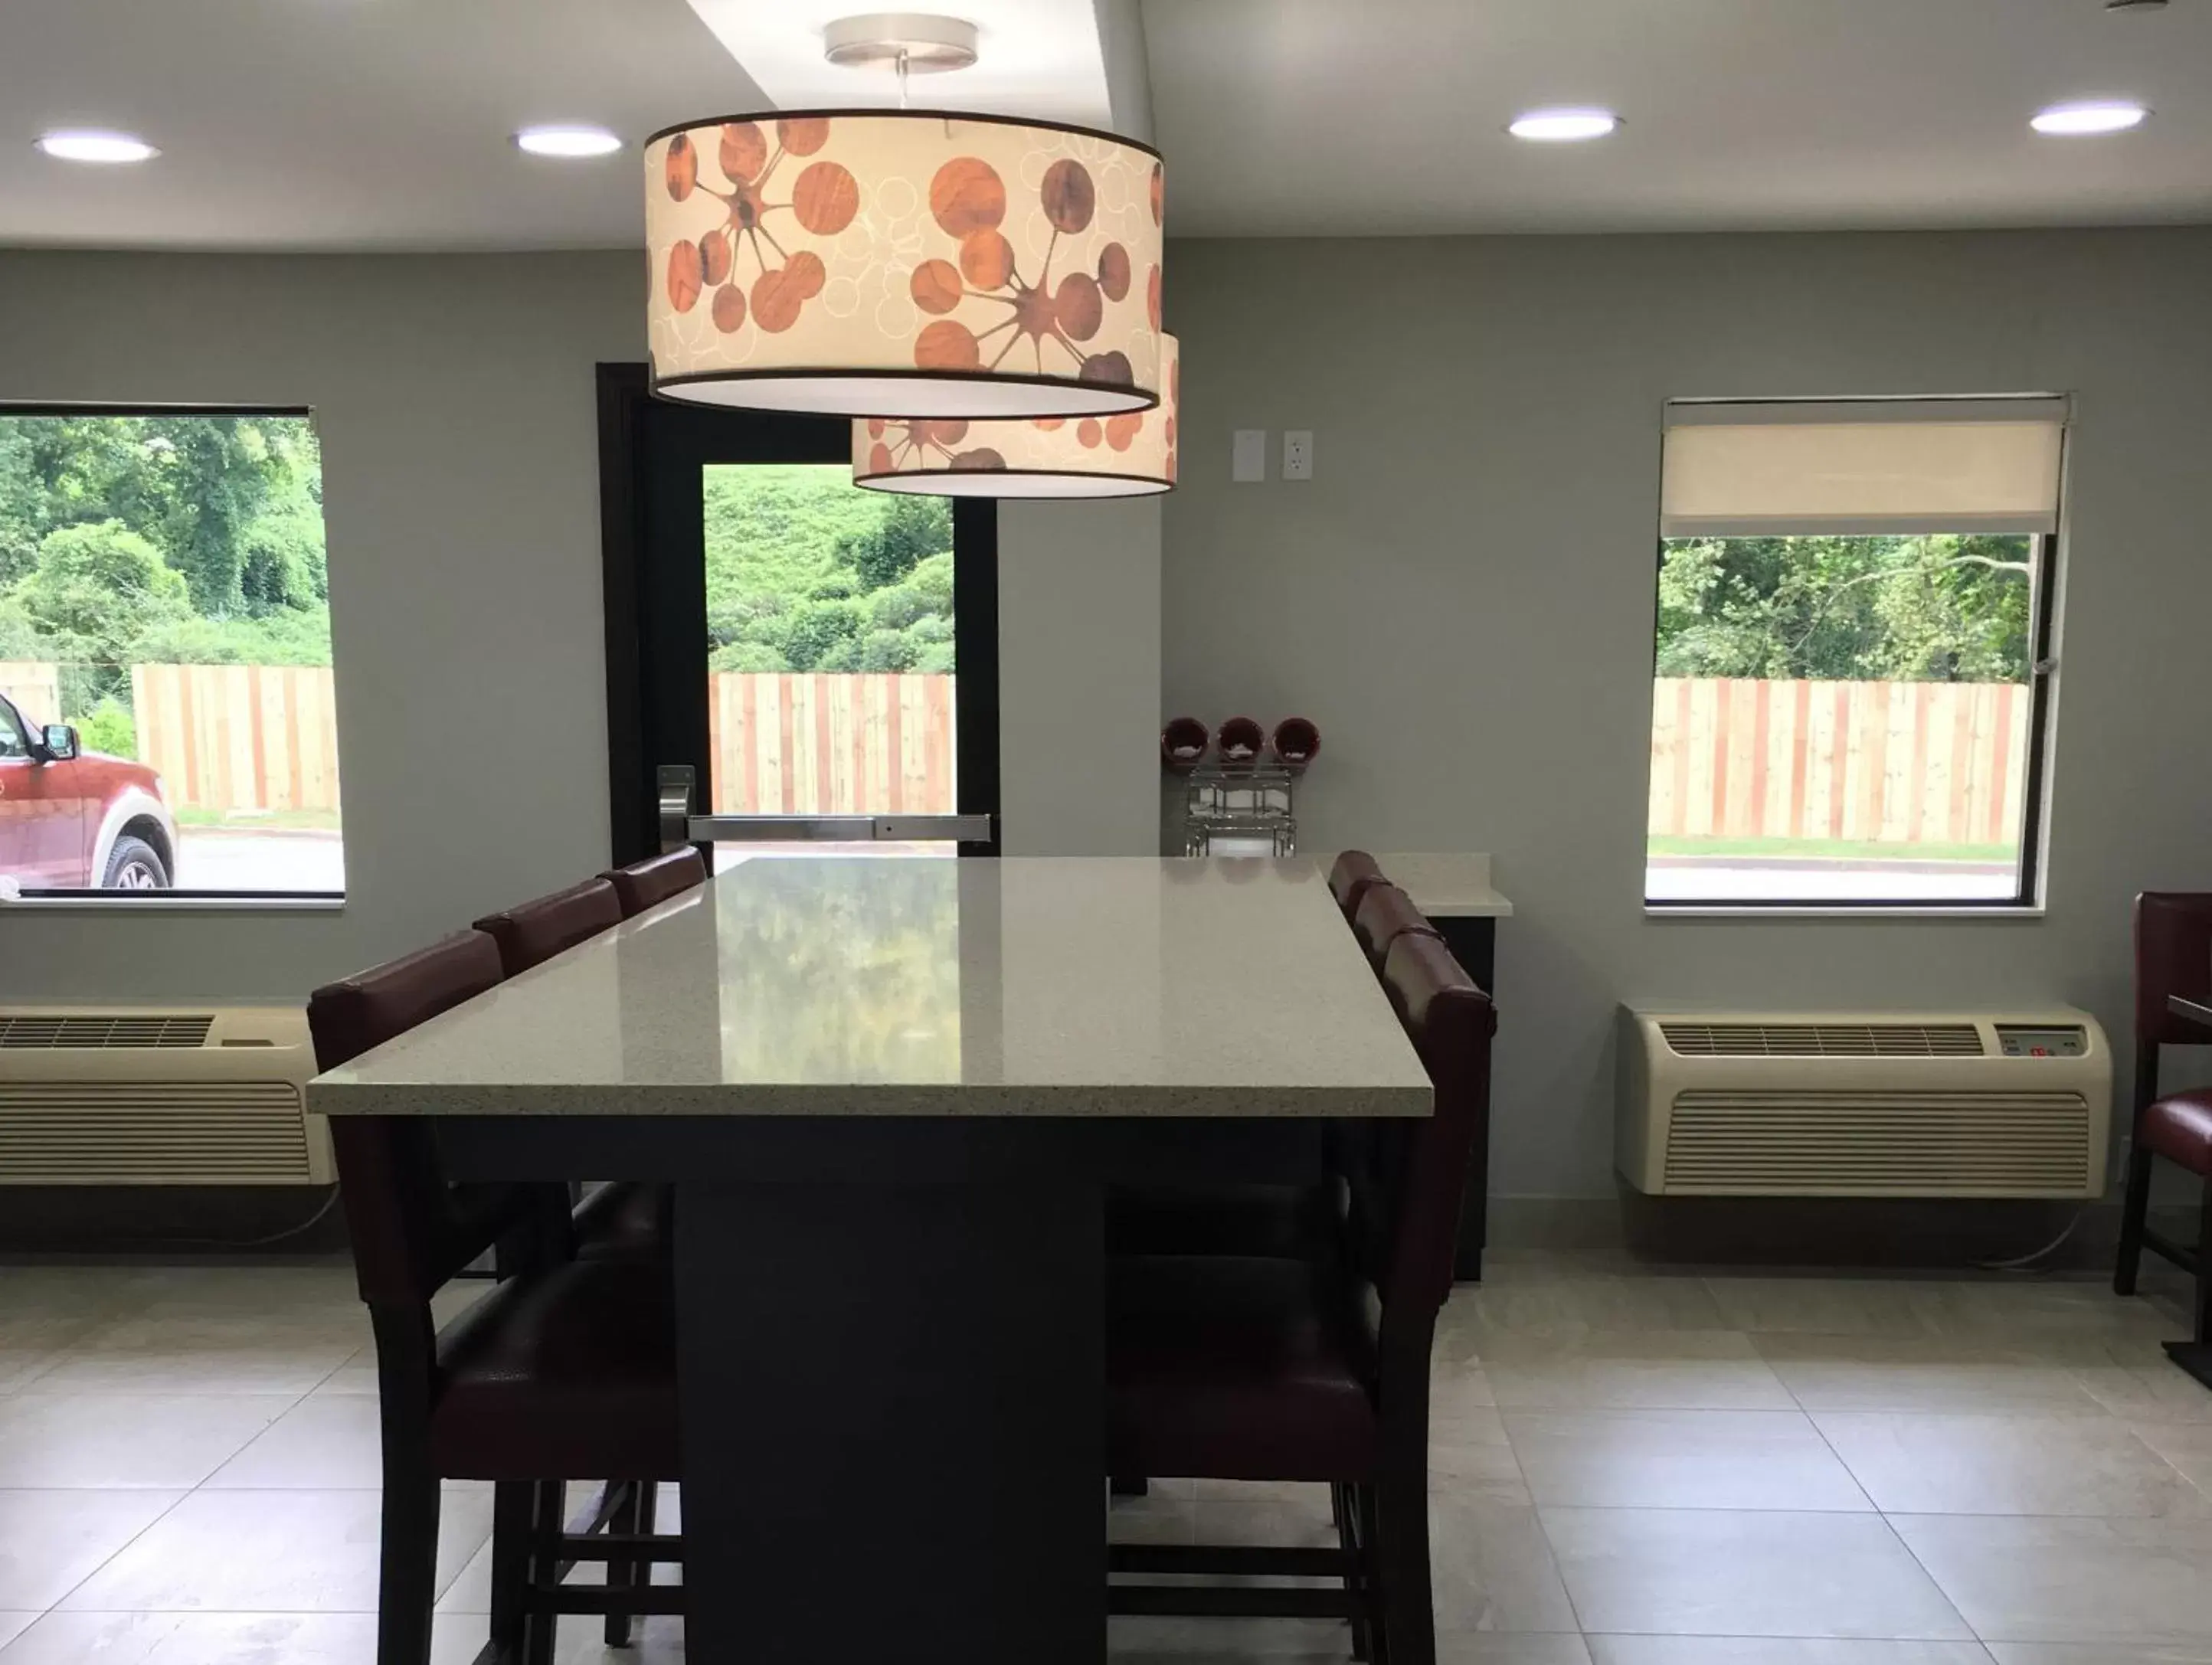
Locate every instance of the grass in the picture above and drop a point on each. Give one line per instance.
(275, 821)
(1829, 849)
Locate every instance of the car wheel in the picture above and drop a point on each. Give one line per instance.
(134, 864)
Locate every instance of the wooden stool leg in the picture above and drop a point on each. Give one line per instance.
(514, 1521)
(1347, 1539)
(407, 1585)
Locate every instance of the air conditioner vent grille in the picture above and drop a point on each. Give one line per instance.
(1877, 1143)
(59, 1030)
(152, 1132)
(1823, 1040)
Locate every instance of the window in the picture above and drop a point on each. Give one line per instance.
(1853, 653)
(164, 593)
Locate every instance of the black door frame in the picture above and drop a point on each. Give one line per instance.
(656, 672)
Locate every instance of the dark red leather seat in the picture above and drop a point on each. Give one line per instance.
(648, 884)
(1349, 876)
(1257, 1369)
(582, 1346)
(532, 933)
(1235, 1368)
(2173, 957)
(2180, 1128)
(1385, 912)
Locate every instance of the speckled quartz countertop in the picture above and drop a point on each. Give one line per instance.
(1028, 987)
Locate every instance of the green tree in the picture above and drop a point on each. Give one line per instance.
(102, 585)
(915, 529)
(1936, 608)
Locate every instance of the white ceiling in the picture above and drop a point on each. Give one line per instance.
(1349, 117)
(1035, 57)
(352, 124)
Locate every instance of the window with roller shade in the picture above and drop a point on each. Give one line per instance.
(1853, 654)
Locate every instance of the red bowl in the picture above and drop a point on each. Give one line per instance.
(1183, 745)
(1239, 743)
(1297, 743)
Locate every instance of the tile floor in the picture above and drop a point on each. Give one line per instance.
(1629, 1467)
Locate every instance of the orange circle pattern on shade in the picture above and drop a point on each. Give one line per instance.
(905, 245)
(1128, 454)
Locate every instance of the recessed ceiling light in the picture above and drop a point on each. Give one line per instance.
(2100, 117)
(1562, 126)
(83, 145)
(568, 140)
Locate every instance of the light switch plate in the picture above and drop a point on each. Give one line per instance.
(1297, 453)
(1249, 460)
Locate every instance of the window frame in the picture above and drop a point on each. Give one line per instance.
(177, 897)
(2035, 808)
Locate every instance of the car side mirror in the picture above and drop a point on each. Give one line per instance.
(60, 742)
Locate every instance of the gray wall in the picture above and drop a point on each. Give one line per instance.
(1462, 596)
(455, 396)
(1079, 674)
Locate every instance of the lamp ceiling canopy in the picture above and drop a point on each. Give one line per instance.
(1129, 455)
(910, 264)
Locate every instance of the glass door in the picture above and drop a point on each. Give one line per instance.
(795, 665)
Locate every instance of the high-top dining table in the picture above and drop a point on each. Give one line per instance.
(890, 1093)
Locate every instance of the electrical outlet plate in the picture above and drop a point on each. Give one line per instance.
(1249, 460)
(1297, 453)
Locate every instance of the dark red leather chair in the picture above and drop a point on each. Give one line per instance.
(532, 933)
(1253, 1369)
(2173, 955)
(1349, 877)
(565, 1370)
(649, 883)
(1384, 913)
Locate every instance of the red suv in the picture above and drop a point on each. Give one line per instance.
(70, 821)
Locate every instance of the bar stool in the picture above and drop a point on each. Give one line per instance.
(1250, 1369)
(2173, 957)
(565, 1370)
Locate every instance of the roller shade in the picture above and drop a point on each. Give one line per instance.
(1861, 467)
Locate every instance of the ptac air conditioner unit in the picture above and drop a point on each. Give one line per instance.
(1853, 1104)
(178, 1095)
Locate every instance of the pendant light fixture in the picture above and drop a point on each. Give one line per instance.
(1129, 455)
(907, 264)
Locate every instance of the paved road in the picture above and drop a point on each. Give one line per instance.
(211, 860)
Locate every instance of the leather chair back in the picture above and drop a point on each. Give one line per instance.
(1385, 913)
(2173, 955)
(648, 884)
(534, 933)
(410, 1231)
(1451, 1022)
(1349, 877)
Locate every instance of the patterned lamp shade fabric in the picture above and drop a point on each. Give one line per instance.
(907, 264)
(1129, 455)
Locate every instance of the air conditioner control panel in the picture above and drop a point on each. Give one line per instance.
(2016, 1042)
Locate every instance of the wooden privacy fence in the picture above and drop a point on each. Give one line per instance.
(35, 687)
(232, 738)
(1901, 763)
(811, 744)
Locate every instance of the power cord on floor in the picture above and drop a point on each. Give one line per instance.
(307, 1225)
(2033, 1261)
